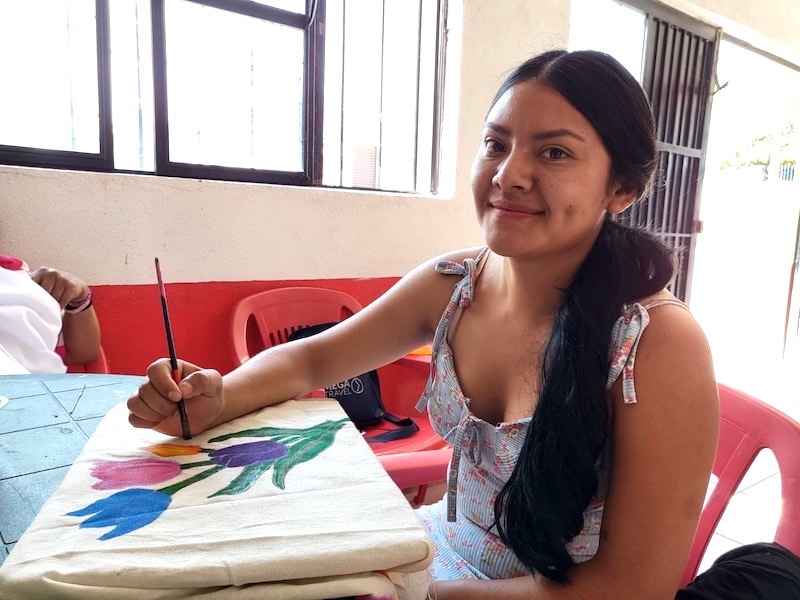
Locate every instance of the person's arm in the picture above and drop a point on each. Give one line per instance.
(403, 319)
(81, 330)
(663, 450)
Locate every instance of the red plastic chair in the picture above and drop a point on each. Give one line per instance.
(268, 318)
(98, 365)
(747, 427)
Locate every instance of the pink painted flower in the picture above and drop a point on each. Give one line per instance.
(115, 475)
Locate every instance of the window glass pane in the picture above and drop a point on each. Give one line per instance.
(132, 85)
(234, 89)
(610, 27)
(361, 100)
(53, 75)
(379, 85)
(295, 6)
(399, 96)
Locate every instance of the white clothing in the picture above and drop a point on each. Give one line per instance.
(30, 324)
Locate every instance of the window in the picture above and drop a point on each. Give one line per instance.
(343, 93)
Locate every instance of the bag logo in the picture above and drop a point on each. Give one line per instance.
(345, 388)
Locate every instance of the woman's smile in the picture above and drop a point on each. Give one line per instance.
(514, 210)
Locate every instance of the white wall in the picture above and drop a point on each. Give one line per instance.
(770, 25)
(108, 228)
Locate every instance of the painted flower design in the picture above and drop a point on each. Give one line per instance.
(251, 453)
(125, 511)
(116, 475)
(137, 507)
(173, 449)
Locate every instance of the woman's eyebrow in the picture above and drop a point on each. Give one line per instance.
(538, 137)
(555, 133)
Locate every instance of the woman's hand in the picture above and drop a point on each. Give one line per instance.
(155, 404)
(64, 287)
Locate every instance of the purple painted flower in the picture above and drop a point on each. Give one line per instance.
(251, 453)
(115, 475)
(125, 511)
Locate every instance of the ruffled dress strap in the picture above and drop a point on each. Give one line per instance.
(625, 337)
(462, 296)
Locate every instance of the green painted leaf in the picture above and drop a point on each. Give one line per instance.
(282, 431)
(244, 480)
(300, 453)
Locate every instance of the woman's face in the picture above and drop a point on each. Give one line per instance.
(541, 179)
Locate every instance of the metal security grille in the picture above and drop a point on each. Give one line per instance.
(679, 64)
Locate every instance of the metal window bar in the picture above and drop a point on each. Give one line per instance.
(379, 157)
(438, 93)
(678, 77)
(416, 95)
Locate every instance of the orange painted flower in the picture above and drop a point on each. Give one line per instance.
(173, 449)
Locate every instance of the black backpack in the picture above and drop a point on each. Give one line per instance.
(360, 397)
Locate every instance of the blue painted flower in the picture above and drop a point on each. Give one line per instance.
(251, 453)
(125, 511)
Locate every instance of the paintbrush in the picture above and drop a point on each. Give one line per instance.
(173, 358)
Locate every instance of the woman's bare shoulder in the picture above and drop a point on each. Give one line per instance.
(461, 254)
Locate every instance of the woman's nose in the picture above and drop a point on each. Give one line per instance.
(515, 172)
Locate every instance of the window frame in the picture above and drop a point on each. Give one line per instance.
(313, 82)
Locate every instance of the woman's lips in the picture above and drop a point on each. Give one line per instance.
(511, 209)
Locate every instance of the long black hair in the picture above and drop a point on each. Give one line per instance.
(540, 509)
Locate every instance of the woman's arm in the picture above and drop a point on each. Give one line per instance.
(81, 337)
(81, 330)
(663, 451)
(403, 319)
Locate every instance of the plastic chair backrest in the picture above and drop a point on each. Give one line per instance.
(747, 426)
(276, 313)
(98, 365)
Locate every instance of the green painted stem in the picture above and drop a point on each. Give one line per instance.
(203, 463)
(170, 490)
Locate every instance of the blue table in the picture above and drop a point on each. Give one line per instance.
(43, 426)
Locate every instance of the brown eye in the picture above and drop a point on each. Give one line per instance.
(554, 153)
(493, 145)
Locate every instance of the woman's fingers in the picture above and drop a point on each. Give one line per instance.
(62, 286)
(156, 400)
(159, 375)
(150, 405)
(204, 382)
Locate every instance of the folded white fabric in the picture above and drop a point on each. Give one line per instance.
(286, 503)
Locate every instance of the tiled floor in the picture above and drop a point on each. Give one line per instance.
(46, 422)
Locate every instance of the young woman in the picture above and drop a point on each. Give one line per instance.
(578, 393)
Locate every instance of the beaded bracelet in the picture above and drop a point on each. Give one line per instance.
(80, 305)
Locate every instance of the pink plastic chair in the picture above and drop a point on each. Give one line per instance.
(268, 318)
(747, 427)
